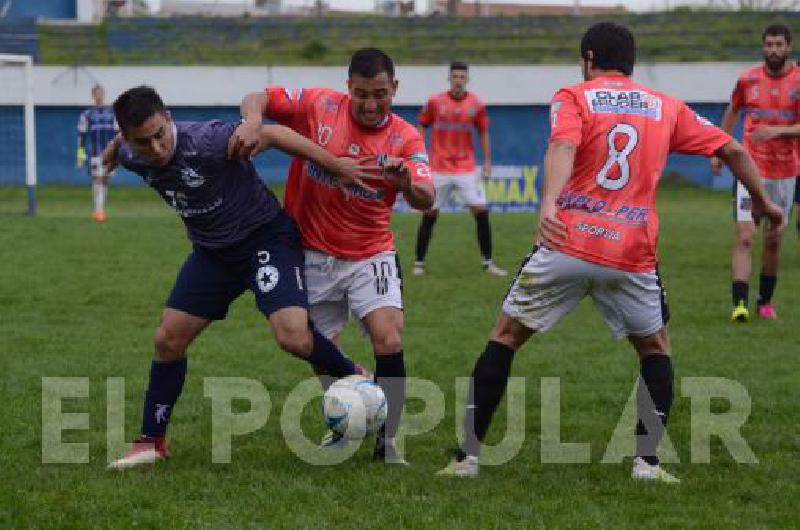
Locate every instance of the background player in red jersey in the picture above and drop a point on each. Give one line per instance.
(453, 116)
(770, 96)
(351, 263)
(598, 228)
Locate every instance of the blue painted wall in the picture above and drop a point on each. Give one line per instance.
(519, 137)
(41, 8)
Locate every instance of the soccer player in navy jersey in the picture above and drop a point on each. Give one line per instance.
(241, 240)
(96, 129)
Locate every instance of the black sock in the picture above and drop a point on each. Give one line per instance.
(489, 381)
(484, 235)
(166, 383)
(424, 236)
(654, 398)
(329, 359)
(739, 292)
(390, 374)
(766, 286)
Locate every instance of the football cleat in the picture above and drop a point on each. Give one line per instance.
(767, 311)
(386, 452)
(333, 440)
(461, 466)
(145, 451)
(419, 268)
(740, 313)
(100, 216)
(491, 268)
(644, 471)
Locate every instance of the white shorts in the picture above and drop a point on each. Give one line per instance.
(780, 191)
(337, 287)
(550, 284)
(96, 168)
(468, 186)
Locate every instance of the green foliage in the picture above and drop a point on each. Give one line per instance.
(82, 300)
(680, 35)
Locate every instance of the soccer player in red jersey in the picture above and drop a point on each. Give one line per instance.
(769, 94)
(351, 263)
(453, 116)
(597, 233)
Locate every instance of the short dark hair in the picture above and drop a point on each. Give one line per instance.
(612, 46)
(137, 105)
(369, 62)
(459, 65)
(775, 30)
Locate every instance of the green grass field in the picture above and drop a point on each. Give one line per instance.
(78, 299)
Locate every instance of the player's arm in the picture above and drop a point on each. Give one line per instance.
(486, 147)
(246, 139)
(558, 161)
(744, 169)
(768, 132)
(110, 154)
(347, 170)
(83, 128)
(729, 120)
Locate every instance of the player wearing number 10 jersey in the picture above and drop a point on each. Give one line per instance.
(597, 233)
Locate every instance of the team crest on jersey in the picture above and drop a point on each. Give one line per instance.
(354, 149)
(632, 102)
(267, 277)
(192, 178)
(324, 133)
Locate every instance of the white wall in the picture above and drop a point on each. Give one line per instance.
(497, 85)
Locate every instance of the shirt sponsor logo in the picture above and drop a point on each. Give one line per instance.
(622, 214)
(323, 177)
(632, 102)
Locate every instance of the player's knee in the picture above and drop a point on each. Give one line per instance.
(388, 341)
(745, 239)
(169, 345)
(295, 340)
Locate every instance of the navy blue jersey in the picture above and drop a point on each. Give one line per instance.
(97, 127)
(221, 201)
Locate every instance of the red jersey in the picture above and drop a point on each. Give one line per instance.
(349, 229)
(769, 100)
(623, 132)
(453, 121)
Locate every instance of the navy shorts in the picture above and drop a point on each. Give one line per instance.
(269, 262)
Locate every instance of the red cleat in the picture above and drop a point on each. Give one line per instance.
(145, 451)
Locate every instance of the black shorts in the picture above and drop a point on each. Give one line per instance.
(269, 262)
(797, 190)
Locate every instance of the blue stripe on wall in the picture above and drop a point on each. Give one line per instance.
(519, 137)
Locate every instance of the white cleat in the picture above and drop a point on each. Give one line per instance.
(493, 269)
(467, 467)
(644, 471)
(419, 269)
(143, 453)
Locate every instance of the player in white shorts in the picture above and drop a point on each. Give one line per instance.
(453, 116)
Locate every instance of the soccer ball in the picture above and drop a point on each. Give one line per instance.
(354, 407)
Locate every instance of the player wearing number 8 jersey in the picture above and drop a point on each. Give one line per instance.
(597, 233)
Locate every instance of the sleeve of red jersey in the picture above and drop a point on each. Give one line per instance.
(695, 135)
(291, 107)
(416, 157)
(425, 116)
(737, 96)
(566, 120)
(481, 118)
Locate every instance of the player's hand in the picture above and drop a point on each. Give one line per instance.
(551, 232)
(773, 213)
(764, 133)
(80, 157)
(245, 141)
(352, 172)
(716, 165)
(395, 171)
(486, 171)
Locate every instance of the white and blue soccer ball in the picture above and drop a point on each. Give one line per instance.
(354, 407)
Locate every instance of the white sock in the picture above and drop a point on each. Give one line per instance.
(99, 194)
